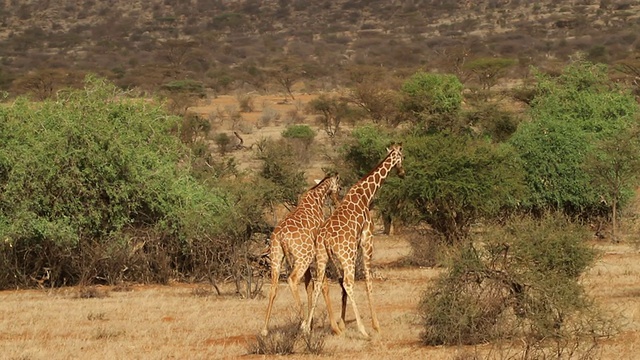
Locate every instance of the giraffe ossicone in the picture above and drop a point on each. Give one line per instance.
(293, 238)
(349, 227)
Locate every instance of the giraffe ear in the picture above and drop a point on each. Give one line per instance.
(317, 181)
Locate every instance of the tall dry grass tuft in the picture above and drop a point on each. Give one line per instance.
(280, 340)
(285, 340)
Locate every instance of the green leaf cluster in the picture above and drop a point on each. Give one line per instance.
(91, 163)
(570, 114)
(432, 93)
(453, 181)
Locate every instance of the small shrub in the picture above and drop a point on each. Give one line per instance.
(279, 341)
(293, 116)
(268, 117)
(223, 141)
(522, 283)
(425, 248)
(97, 316)
(301, 137)
(301, 132)
(106, 334)
(246, 102)
(284, 340)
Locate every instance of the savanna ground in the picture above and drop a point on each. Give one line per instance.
(192, 321)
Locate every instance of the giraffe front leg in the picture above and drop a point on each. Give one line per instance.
(349, 279)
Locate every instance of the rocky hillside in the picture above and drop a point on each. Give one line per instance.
(226, 44)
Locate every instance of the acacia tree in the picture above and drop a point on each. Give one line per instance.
(286, 72)
(332, 111)
(452, 182)
(488, 71)
(570, 114)
(374, 93)
(615, 165)
(43, 84)
(433, 99)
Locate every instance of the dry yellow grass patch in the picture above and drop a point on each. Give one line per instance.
(187, 322)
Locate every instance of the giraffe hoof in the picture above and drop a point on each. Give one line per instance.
(264, 332)
(306, 329)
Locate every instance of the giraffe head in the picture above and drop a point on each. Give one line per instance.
(334, 187)
(394, 152)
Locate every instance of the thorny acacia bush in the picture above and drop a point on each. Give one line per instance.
(300, 137)
(519, 281)
(96, 187)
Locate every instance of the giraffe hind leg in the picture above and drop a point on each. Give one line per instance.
(299, 270)
(343, 314)
(367, 252)
(321, 284)
(276, 259)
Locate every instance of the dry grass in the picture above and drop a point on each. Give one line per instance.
(176, 321)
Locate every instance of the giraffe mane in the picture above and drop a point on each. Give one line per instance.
(381, 161)
(321, 181)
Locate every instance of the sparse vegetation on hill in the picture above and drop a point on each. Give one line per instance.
(274, 45)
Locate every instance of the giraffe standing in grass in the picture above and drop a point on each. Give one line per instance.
(347, 228)
(294, 237)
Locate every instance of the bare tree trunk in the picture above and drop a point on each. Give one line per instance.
(614, 232)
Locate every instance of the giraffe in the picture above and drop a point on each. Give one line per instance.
(293, 238)
(348, 227)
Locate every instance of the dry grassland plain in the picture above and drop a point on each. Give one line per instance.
(190, 321)
(177, 322)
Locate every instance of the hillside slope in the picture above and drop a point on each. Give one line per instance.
(226, 43)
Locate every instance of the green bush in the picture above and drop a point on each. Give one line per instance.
(303, 132)
(433, 99)
(93, 167)
(364, 151)
(281, 168)
(453, 182)
(570, 113)
(301, 137)
(519, 281)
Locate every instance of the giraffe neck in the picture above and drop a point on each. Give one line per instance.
(317, 195)
(367, 187)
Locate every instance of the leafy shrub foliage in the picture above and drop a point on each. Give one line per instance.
(452, 182)
(364, 151)
(92, 172)
(435, 99)
(281, 169)
(301, 138)
(570, 113)
(521, 282)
